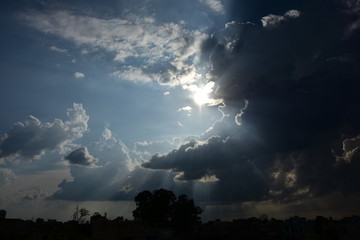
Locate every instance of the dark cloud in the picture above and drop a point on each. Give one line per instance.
(31, 138)
(227, 165)
(82, 157)
(290, 87)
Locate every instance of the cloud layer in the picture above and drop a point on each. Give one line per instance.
(162, 52)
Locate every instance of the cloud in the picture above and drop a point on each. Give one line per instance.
(34, 194)
(272, 20)
(226, 164)
(164, 52)
(215, 5)
(289, 129)
(146, 149)
(79, 75)
(187, 108)
(133, 74)
(113, 165)
(117, 176)
(81, 157)
(290, 122)
(57, 49)
(6, 176)
(30, 139)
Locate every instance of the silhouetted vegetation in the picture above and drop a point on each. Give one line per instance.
(162, 208)
(80, 214)
(162, 215)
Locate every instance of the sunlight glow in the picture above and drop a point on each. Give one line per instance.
(201, 94)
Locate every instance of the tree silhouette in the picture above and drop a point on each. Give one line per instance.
(80, 214)
(162, 207)
(154, 207)
(185, 213)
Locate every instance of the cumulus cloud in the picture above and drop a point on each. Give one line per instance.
(81, 157)
(79, 75)
(215, 5)
(113, 165)
(165, 51)
(30, 139)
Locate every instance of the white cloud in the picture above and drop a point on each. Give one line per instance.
(56, 49)
(166, 93)
(187, 108)
(272, 20)
(215, 5)
(239, 115)
(292, 13)
(209, 178)
(79, 75)
(164, 50)
(133, 74)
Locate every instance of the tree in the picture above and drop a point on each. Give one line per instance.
(162, 207)
(80, 214)
(185, 213)
(83, 212)
(155, 207)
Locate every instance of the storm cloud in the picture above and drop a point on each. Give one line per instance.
(290, 89)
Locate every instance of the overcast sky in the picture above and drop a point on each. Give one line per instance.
(249, 107)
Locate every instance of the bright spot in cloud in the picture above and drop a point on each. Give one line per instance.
(201, 94)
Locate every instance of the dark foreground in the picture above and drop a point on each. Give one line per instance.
(119, 229)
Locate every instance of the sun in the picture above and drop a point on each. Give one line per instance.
(201, 94)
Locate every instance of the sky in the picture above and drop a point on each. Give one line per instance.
(248, 107)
